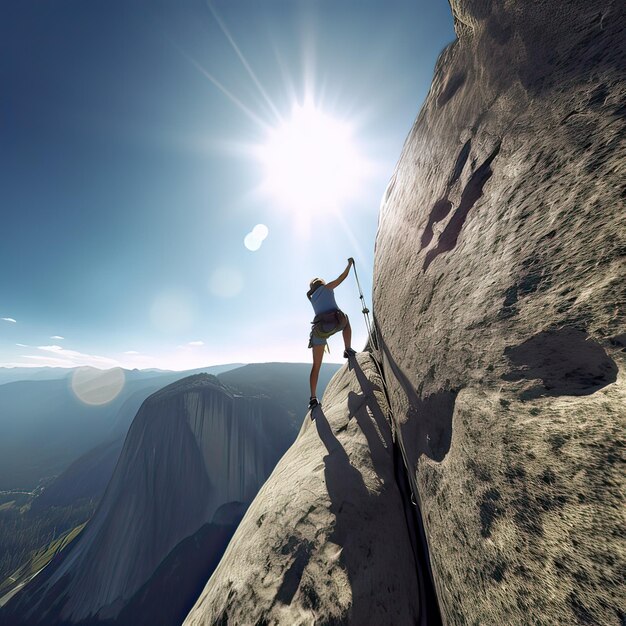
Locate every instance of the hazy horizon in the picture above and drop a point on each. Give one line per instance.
(142, 369)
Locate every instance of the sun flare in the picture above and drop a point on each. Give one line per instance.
(311, 162)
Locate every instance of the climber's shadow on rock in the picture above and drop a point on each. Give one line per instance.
(349, 502)
(428, 427)
(372, 421)
(344, 482)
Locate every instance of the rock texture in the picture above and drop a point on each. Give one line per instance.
(499, 298)
(196, 450)
(326, 540)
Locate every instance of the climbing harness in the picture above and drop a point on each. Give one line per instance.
(371, 331)
(324, 325)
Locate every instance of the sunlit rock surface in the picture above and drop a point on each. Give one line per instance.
(195, 451)
(499, 298)
(326, 540)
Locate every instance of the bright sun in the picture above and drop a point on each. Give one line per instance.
(311, 163)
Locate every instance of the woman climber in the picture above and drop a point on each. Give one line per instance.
(329, 319)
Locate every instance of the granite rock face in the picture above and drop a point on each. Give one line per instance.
(326, 539)
(195, 451)
(499, 298)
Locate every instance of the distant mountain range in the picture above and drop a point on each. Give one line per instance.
(242, 421)
(194, 458)
(44, 426)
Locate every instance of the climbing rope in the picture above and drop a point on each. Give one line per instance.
(410, 474)
(371, 331)
(415, 500)
(394, 434)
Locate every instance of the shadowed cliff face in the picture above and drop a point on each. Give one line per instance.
(499, 293)
(194, 452)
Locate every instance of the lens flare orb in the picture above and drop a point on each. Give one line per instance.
(255, 238)
(96, 387)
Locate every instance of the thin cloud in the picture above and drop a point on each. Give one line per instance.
(73, 358)
(22, 345)
(57, 337)
(191, 345)
(131, 352)
(8, 319)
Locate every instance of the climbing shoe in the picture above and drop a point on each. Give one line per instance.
(313, 402)
(348, 352)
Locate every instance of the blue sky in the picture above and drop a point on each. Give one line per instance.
(129, 171)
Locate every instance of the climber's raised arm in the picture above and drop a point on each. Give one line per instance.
(335, 283)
